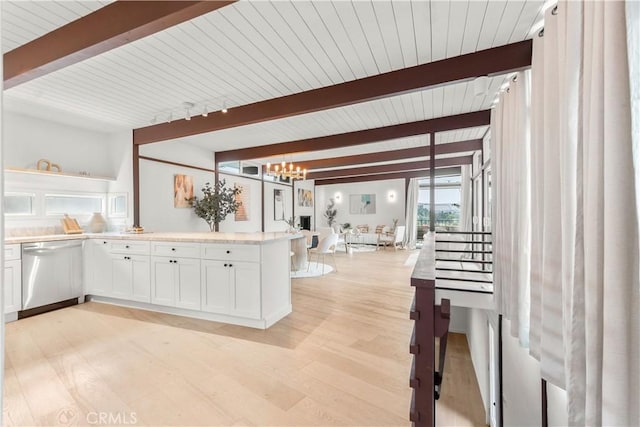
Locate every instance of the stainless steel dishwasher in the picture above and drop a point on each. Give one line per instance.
(51, 273)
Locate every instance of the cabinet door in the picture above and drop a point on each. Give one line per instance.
(163, 280)
(216, 286)
(122, 280)
(245, 297)
(187, 290)
(12, 286)
(141, 280)
(99, 278)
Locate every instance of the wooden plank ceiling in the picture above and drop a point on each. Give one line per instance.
(254, 51)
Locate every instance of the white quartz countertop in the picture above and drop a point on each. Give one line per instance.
(217, 237)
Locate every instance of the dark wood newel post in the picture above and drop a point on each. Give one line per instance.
(431, 321)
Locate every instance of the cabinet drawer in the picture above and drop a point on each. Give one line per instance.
(180, 250)
(128, 247)
(12, 252)
(248, 253)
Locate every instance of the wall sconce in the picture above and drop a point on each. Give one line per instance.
(391, 196)
(338, 197)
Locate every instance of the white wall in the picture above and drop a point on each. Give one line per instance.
(521, 382)
(28, 139)
(478, 339)
(387, 209)
(269, 223)
(557, 406)
(304, 210)
(179, 152)
(459, 321)
(121, 156)
(157, 212)
(253, 189)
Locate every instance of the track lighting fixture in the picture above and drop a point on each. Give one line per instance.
(188, 109)
(188, 106)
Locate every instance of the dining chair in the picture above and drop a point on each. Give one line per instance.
(326, 246)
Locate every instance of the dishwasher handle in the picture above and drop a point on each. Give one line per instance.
(48, 249)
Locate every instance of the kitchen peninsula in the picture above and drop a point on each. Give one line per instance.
(238, 278)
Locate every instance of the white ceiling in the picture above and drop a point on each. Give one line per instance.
(256, 50)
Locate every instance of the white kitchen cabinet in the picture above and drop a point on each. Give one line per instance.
(12, 279)
(224, 281)
(12, 286)
(99, 272)
(216, 286)
(175, 282)
(187, 283)
(130, 277)
(231, 287)
(245, 289)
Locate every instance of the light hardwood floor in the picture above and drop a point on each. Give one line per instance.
(341, 358)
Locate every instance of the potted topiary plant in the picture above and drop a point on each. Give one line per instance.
(216, 203)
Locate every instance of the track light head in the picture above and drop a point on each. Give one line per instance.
(205, 111)
(188, 106)
(224, 107)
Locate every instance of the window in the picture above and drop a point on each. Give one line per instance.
(233, 167)
(19, 204)
(118, 205)
(59, 204)
(447, 206)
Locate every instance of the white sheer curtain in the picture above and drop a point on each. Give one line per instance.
(411, 220)
(610, 234)
(511, 172)
(633, 49)
(585, 245)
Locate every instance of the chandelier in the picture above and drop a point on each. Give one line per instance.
(282, 171)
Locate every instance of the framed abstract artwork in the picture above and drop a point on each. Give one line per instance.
(362, 204)
(278, 204)
(182, 191)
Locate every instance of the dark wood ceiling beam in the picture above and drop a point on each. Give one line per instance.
(112, 26)
(385, 156)
(394, 167)
(385, 176)
(349, 139)
(494, 61)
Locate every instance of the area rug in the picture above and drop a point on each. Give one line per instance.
(356, 248)
(314, 271)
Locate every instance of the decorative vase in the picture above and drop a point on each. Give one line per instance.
(97, 223)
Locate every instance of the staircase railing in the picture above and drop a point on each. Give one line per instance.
(469, 253)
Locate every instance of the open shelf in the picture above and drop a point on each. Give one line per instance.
(60, 174)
